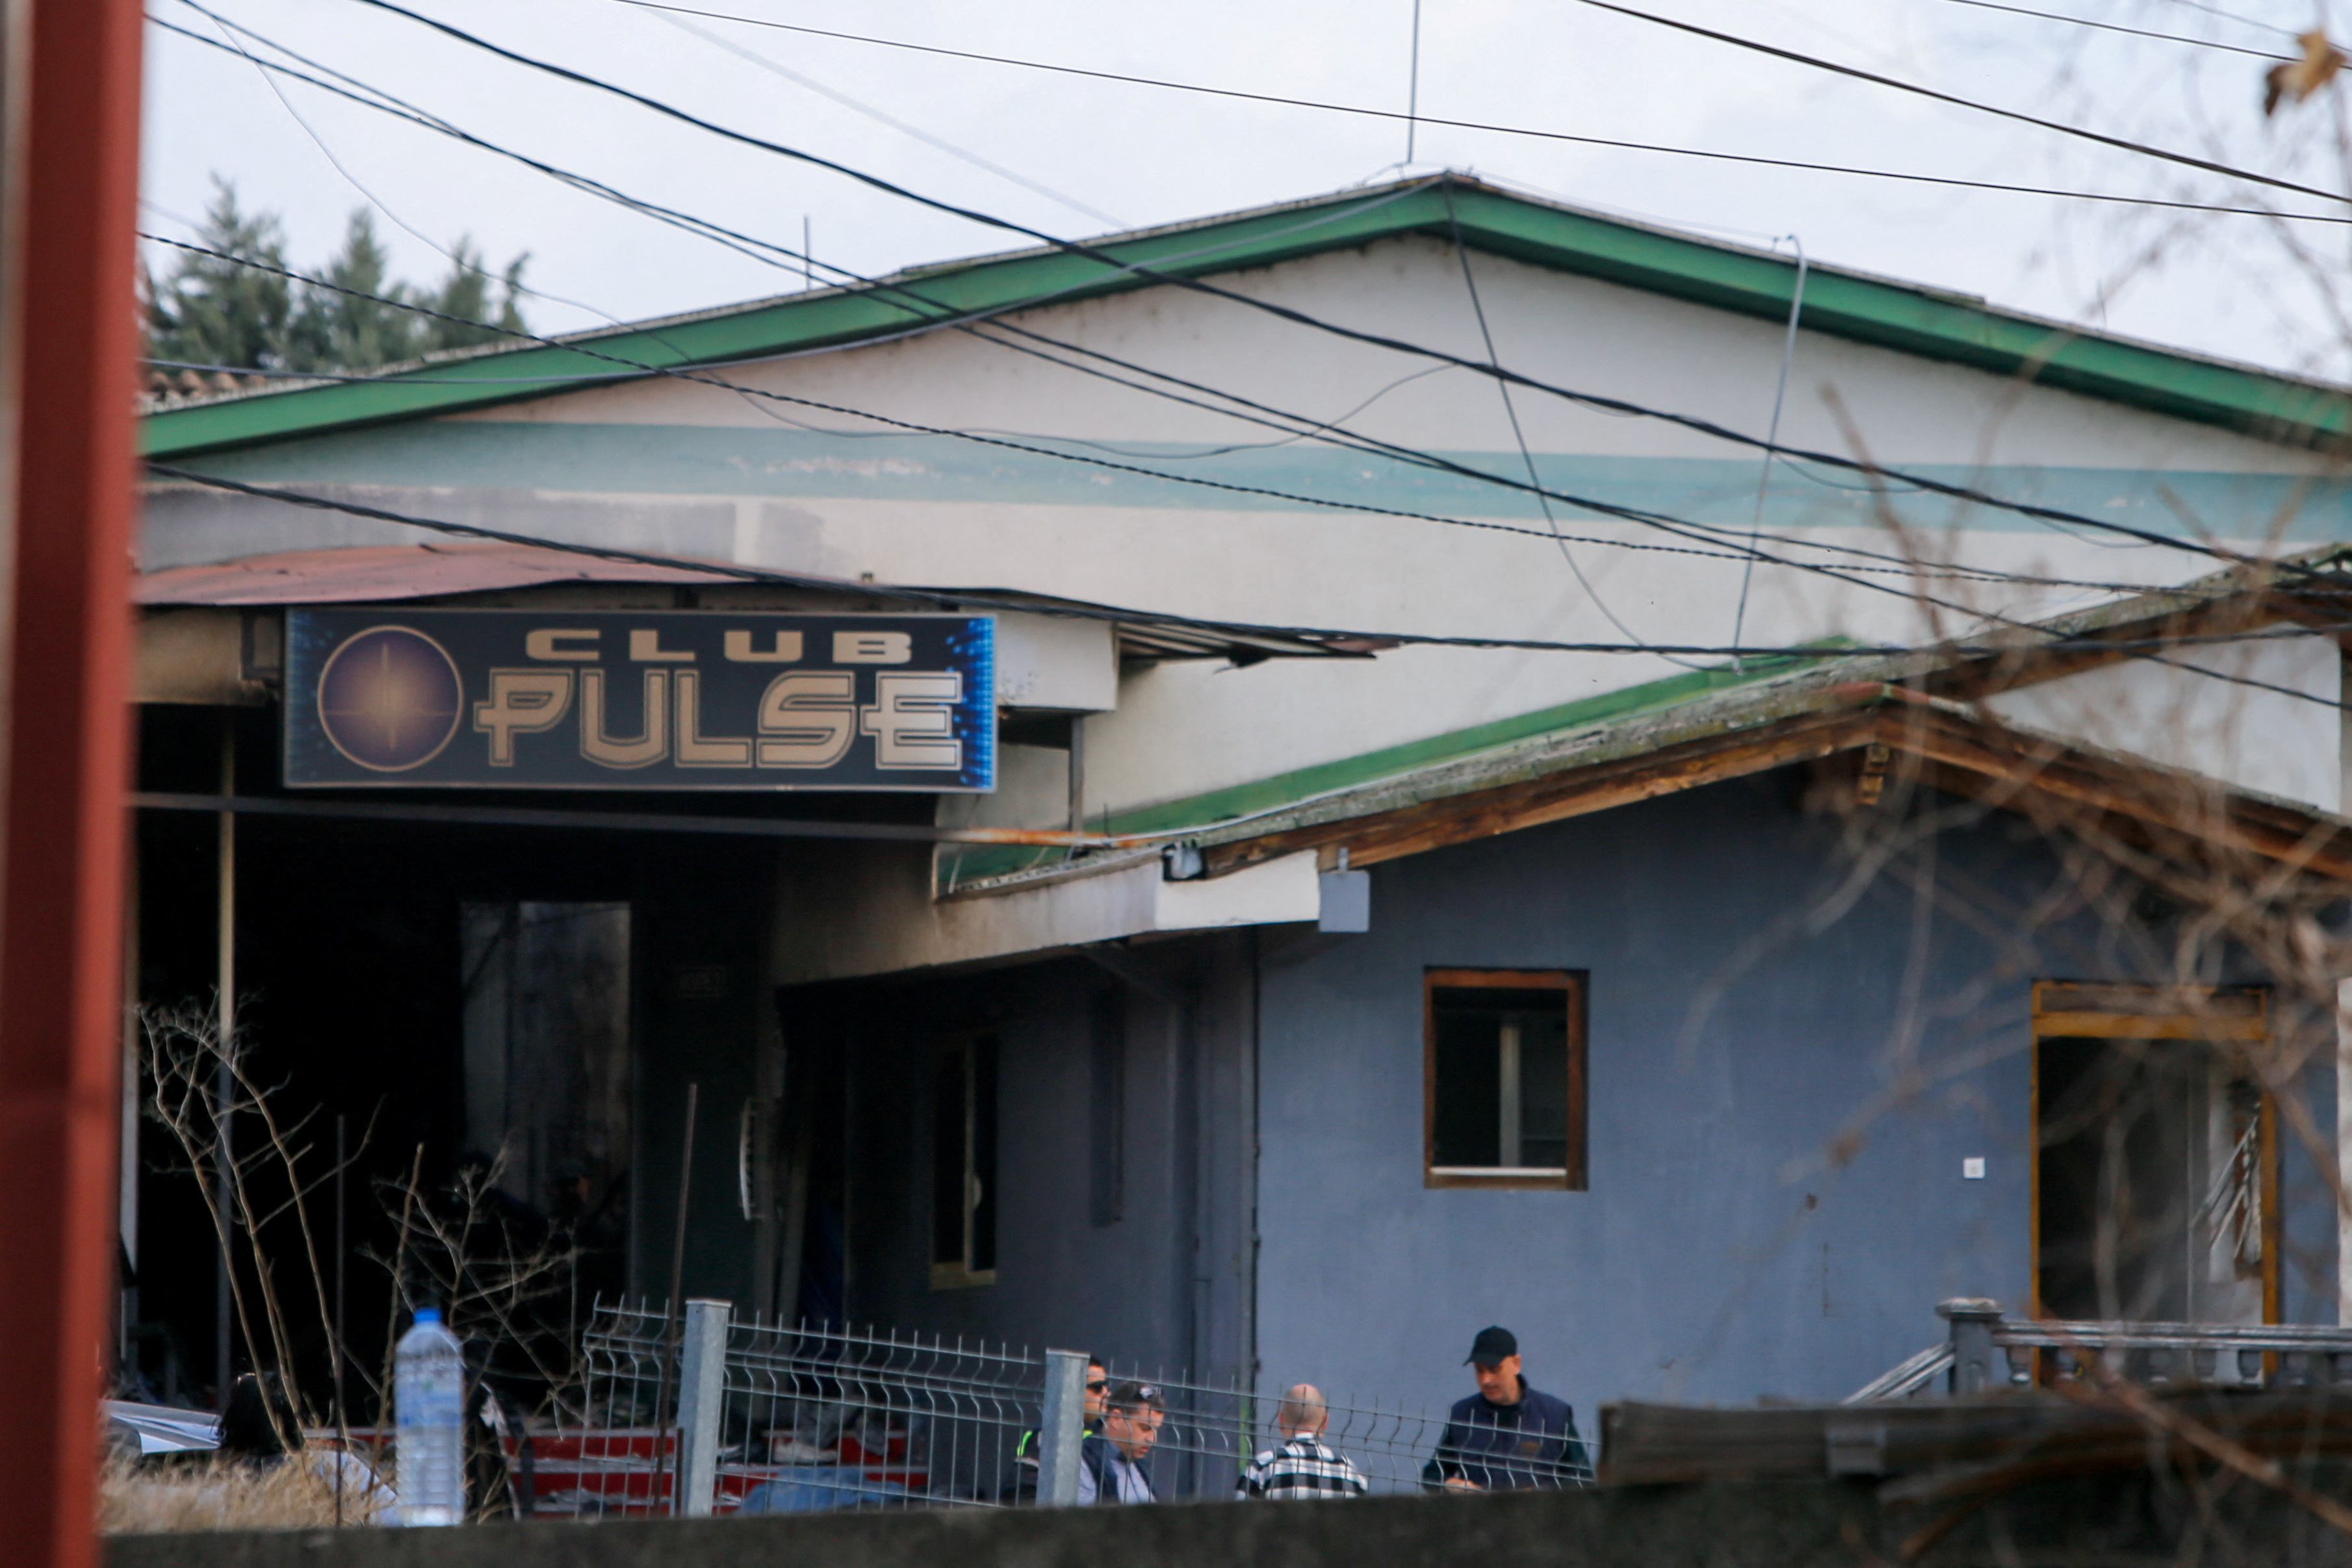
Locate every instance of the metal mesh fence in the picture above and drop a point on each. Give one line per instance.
(1208, 1441)
(820, 1418)
(827, 1419)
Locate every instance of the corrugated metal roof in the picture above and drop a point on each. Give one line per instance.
(389, 572)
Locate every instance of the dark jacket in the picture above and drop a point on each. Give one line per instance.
(1023, 1486)
(1095, 1456)
(1501, 1446)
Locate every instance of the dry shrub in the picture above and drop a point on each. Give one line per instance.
(225, 1494)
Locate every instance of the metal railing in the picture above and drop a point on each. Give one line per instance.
(1987, 1350)
(700, 1413)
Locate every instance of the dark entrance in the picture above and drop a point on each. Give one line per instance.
(2154, 1192)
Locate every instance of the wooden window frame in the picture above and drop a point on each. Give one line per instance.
(1572, 984)
(958, 1274)
(2217, 1015)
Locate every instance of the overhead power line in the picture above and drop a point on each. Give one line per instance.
(2119, 27)
(1660, 521)
(945, 315)
(1368, 111)
(983, 599)
(2145, 150)
(1728, 544)
(1288, 313)
(1297, 426)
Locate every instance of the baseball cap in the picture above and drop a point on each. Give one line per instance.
(1492, 1346)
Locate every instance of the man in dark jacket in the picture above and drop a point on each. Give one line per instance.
(1116, 1467)
(1506, 1435)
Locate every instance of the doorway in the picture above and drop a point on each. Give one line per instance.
(2154, 1177)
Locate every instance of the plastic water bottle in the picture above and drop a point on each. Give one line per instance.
(428, 1404)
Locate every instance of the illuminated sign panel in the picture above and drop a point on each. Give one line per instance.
(639, 700)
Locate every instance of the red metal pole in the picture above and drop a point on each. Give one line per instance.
(65, 763)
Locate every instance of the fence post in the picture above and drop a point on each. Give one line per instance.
(1061, 1428)
(701, 1406)
(1972, 1319)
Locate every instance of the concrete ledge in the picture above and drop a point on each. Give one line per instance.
(1723, 1527)
(2121, 1519)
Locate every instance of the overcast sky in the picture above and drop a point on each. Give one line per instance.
(2233, 286)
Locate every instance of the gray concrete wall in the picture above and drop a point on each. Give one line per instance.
(1767, 1215)
(2112, 1520)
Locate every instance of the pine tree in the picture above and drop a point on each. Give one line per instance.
(209, 311)
(466, 294)
(343, 332)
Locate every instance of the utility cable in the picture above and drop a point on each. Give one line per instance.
(2188, 160)
(766, 252)
(357, 184)
(986, 599)
(2118, 27)
(1288, 313)
(1519, 435)
(1673, 527)
(1367, 110)
(1667, 525)
(1772, 433)
(751, 246)
(900, 126)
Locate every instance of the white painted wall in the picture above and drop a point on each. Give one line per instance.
(1178, 730)
(2281, 737)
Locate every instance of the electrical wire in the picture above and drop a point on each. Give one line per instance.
(2146, 150)
(1619, 145)
(1772, 429)
(985, 600)
(900, 126)
(2233, 16)
(2056, 516)
(1656, 520)
(2118, 27)
(758, 249)
(357, 184)
(1291, 314)
(1676, 527)
(1299, 426)
(1519, 435)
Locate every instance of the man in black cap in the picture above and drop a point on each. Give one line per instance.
(1506, 1435)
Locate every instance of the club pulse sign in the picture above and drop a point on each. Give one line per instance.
(634, 700)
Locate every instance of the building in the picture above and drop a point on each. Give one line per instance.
(1130, 1047)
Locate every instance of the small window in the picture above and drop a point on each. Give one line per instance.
(1504, 1078)
(963, 1163)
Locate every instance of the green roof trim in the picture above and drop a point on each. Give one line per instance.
(1904, 317)
(1204, 810)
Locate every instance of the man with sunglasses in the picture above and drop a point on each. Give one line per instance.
(1023, 1488)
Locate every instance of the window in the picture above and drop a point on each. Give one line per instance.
(1503, 1078)
(963, 1163)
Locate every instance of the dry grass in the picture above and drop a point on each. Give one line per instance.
(223, 1495)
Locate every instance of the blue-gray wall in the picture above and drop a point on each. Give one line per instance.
(1771, 1210)
(1162, 1287)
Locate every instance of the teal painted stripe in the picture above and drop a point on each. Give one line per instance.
(700, 460)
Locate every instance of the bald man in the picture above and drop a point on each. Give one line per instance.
(1303, 1469)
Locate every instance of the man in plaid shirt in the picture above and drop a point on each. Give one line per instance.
(1302, 1468)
